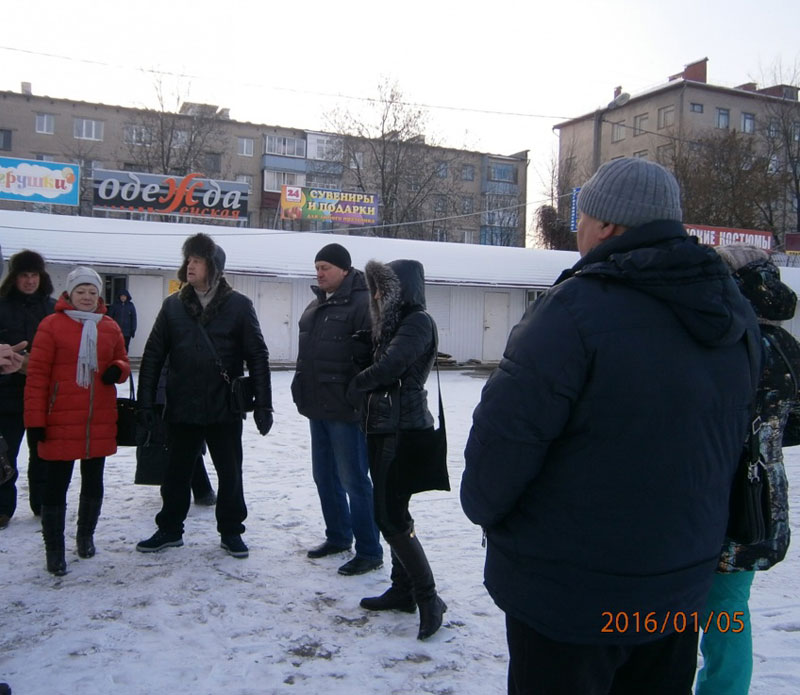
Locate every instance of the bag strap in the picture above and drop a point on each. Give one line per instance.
(436, 362)
(222, 371)
(132, 390)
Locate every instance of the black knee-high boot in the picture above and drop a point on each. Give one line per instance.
(431, 607)
(399, 596)
(88, 514)
(53, 533)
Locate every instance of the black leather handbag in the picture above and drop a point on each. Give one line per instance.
(750, 517)
(126, 418)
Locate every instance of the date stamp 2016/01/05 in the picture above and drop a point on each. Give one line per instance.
(678, 621)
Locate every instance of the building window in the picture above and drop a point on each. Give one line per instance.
(273, 180)
(503, 172)
(5, 139)
(441, 170)
(45, 123)
(440, 204)
(796, 131)
(617, 131)
(87, 129)
(467, 205)
(641, 154)
(640, 124)
(694, 107)
(246, 178)
(723, 118)
(136, 135)
(469, 236)
(324, 148)
(467, 172)
(665, 153)
(180, 138)
(212, 162)
(288, 147)
(42, 157)
(439, 234)
(666, 117)
(244, 147)
(357, 160)
(748, 123)
(328, 181)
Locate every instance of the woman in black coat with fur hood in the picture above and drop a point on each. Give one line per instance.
(404, 340)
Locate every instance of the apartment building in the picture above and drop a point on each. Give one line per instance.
(453, 195)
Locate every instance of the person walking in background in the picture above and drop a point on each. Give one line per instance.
(404, 339)
(207, 330)
(326, 362)
(71, 407)
(123, 312)
(728, 656)
(602, 451)
(24, 301)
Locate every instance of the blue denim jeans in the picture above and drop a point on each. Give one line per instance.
(341, 473)
(727, 655)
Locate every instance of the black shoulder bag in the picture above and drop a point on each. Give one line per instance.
(750, 516)
(422, 454)
(243, 395)
(126, 418)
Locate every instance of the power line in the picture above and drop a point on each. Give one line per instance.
(293, 90)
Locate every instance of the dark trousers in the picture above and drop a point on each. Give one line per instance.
(201, 483)
(58, 475)
(541, 666)
(185, 442)
(391, 506)
(13, 429)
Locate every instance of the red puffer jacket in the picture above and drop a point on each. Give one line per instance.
(80, 422)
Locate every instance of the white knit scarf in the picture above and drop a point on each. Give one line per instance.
(87, 353)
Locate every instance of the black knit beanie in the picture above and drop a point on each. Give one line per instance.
(335, 254)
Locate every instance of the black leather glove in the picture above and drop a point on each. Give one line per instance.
(36, 434)
(146, 417)
(263, 418)
(111, 375)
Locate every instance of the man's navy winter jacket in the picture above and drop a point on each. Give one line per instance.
(603, 448)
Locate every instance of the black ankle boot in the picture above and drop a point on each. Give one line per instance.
(410, 553)
(53, 533)
(88, 514)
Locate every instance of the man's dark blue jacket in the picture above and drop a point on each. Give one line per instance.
(602, 451)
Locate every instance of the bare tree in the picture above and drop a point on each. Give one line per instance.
(385, 152)
(727, 179)
(552, 231)
(176, 137)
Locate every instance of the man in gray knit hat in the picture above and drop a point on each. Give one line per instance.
(602, 450)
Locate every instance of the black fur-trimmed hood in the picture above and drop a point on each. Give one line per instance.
(203, 246)
(401, 286)
(195, 309)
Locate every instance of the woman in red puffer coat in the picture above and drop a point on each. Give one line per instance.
(78, 355)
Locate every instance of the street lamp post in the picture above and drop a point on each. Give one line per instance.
(619, 100)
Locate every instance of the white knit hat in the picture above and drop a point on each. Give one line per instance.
(83, 276)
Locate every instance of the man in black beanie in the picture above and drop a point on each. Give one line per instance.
(206, 331)
(603, 448)
(326, 362)
(24, 301)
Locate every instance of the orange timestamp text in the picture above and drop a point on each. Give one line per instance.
(677, 621)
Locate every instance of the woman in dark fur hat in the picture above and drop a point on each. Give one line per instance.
(24, 301)
(404, 340)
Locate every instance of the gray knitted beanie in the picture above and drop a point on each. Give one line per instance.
(630, 192)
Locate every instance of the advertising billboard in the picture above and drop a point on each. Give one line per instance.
(190, 195)
(32, 181)
(722, 236)
(329, 206)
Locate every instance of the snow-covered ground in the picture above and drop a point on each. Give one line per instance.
(194, 620)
